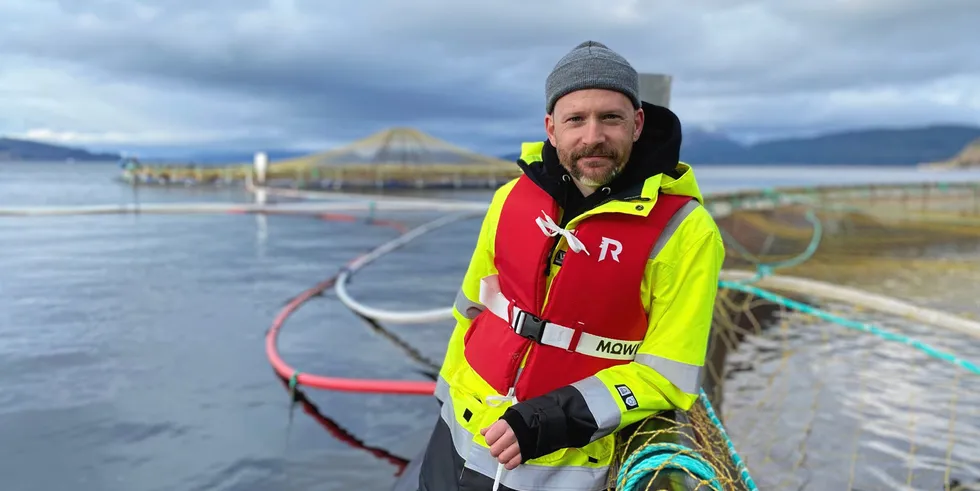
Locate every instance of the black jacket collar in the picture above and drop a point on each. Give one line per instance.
(656, 152)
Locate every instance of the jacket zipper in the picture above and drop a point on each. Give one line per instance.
(550, 257)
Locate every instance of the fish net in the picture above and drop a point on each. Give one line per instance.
(843, 351)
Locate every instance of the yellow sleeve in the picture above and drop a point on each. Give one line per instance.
(666, 373)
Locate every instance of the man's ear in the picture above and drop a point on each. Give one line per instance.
(549, 128)
(638, 118)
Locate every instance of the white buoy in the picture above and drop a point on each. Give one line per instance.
(260, 163)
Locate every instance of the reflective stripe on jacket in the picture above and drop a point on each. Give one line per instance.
(565, 431)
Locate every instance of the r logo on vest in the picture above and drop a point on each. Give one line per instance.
(617, 247)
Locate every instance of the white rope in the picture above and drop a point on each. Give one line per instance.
(281, 208)
(402, 317)
(551, 229)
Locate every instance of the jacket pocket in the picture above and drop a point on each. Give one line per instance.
(595, 454)
(494, 351)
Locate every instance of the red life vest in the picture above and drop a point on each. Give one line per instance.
(594, 318)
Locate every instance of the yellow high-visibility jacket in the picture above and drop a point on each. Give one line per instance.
(566, 437)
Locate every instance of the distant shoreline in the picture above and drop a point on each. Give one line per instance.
(878, 147)
(694, 163)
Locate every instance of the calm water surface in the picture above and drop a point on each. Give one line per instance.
(131, 347)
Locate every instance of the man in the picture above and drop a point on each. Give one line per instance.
(587, 304)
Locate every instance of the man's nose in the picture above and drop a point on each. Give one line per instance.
(593, 133)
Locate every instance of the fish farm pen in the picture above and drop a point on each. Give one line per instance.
(397, 158)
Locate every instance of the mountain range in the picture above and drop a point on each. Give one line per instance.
(907, 146)
(24, 150)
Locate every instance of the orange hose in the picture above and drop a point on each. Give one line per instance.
(334, 383)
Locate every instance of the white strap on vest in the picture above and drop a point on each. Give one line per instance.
(551, 229)
(551, 334)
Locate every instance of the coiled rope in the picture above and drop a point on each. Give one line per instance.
(656, 457)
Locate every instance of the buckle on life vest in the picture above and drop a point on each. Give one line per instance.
(528, 325)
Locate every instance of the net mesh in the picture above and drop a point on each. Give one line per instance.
(810, 404)
(676, 451)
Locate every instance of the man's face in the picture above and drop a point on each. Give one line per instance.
(594, 131)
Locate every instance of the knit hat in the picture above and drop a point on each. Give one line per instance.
(591, 65)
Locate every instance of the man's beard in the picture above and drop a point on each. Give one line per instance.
(594, 176)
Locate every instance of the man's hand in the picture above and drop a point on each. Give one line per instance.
(503, 444)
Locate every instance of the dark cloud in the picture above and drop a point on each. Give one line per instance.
(306, 74)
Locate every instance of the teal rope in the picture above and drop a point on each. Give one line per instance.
(766, 269)
(743, 470)
(654, 457)
(658, 456)
(849, 323)
(811, 248)
(853, 324)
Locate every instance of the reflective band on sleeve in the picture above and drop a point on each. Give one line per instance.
(467, 307)
(672, 225)
(686, 377)
(605, 412)
(442, 389)
(554, 334)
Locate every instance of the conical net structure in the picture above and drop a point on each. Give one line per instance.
(396, 157)
(398, 147)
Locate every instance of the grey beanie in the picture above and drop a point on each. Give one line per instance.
(592, 65)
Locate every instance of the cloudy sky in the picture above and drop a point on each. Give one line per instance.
(307, 74)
